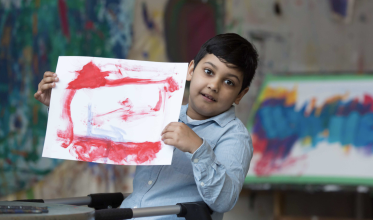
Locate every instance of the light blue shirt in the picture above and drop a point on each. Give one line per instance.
(214, 174)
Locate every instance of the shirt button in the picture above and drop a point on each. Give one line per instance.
(150, 182)
(202, 184)
(195, 161)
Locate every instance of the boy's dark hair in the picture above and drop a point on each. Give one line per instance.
(234, 49)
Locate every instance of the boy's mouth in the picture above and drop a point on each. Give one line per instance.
(208, 97)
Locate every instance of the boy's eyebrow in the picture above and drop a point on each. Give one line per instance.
(213, 65)
(232, 75)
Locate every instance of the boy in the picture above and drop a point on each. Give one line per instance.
(213, 148)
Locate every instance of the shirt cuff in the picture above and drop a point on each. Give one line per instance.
(203, 153)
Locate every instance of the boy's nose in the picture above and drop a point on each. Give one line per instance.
(214, 86)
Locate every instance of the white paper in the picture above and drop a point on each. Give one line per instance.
(113, 110)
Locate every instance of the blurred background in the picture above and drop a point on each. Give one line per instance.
(309, 108)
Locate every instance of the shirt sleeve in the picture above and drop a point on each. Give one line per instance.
(220, 173)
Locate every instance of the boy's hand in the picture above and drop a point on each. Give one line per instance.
(43, 94)
(181, 136)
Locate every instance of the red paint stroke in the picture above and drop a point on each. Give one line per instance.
(368, 100)
(260, 144)
(93, 149)
(91, 76)
(68, 134)
(136, 68)
(124, 112)
(97, 122)
(127, 113)
(63, 18)
(267, 165)
(271, 162)
(125, 67)
(171, 83)
(89, 25)
(126, 103)
(159, 103)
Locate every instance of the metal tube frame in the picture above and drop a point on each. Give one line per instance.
(180, 209)
(137, 212)
(155, 211)
(84, 200)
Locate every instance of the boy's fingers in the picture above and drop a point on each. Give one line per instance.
(165, 129)
(167, 135)
(47, 80)
(50, 79)
(169, 142)
(48, 86)
(170, 127)
(36, 95)
(49, 74)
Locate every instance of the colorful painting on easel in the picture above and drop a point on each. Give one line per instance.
(113, 111)
(313, 127)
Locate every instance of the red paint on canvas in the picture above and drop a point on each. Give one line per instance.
(92, 149)
(368, 100)
(271, 162)
(126, 103)
(267, 166)
(127, 113)
(159, 103)
(90, 76)
(68, 135)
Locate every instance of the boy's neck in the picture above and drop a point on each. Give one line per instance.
(191, 113)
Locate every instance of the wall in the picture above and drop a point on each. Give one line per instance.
(304, 39)
(33, 34)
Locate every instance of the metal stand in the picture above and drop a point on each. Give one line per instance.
(96, 201)
(106, 205)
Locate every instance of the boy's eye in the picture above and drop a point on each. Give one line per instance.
(208, 72)
(228, 82)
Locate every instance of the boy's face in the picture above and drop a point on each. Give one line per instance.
(214, 87)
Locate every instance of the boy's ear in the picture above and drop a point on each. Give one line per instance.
(190, 70)
(240, 95)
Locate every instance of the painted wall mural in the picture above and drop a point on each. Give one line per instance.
(313, 129)
(32, 36)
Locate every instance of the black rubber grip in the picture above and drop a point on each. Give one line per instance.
(113, 214)
(195, 210)
(103, 200)
(30, 200)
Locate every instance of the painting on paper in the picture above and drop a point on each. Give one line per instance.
(113, 110)
(313, 130)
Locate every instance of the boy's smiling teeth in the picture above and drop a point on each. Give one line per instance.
(209, 97)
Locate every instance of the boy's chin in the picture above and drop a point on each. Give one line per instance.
(207, 112)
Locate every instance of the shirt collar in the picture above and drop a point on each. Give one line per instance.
(221, 119)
